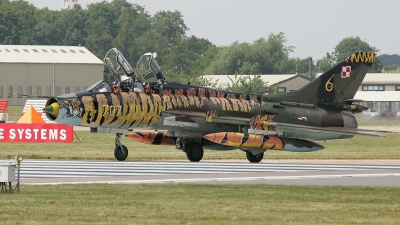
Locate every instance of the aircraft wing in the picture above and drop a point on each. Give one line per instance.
(208, 117)
(280, 129)
(286, 128)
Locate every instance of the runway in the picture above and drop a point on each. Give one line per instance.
(269, 172)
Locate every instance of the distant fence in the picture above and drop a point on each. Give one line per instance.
(3, 109)
(38, 105)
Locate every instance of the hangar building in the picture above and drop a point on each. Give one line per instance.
(380, 91)
(36, 70)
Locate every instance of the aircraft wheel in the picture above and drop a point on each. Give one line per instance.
(121, 153)
(194, 151)
(254, 158)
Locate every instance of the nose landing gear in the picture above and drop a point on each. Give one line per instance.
(121, 151)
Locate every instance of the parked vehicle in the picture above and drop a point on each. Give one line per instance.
(388, 113)
(371, 113)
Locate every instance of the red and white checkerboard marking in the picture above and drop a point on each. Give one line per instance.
(346, 71)
(302, 118)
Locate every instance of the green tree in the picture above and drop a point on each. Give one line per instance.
(131, 22)
(125, 40)
(273, 54)
(391, 69)
(169, 24)
(246, 84)
(269, 56)
(74, 21)
(350, 45)
(167, 29)
(99, 39)
(181, 59)
(17, 21)
(202, 81)
(178, 53)
(100, 27)
(49, 30)
(323, 65)
(204, 60)
(65, 27)
(227, 59)
(303, 66)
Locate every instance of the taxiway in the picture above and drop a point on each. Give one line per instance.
(286, 172)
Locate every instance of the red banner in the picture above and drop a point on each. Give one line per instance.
(13, 132)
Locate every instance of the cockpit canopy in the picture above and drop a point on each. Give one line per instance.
(148, 67)
(99, 86)
(126, 80)
(128, 85)
(117, 63)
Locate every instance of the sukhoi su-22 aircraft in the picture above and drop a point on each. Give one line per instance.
(193, 118)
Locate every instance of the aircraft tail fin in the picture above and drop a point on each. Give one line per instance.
(337, 85)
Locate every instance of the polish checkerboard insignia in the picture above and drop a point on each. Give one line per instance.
(346, 71)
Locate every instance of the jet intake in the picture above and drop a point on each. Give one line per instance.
(52, 109)
(259, 141)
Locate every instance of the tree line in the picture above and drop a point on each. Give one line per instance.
(129, 28)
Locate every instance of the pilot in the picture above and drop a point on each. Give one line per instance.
(147, 88)
(116, 86)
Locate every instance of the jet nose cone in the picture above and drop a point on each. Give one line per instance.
(53, 109)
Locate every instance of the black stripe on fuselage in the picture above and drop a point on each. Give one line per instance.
(172, 86)
(119, 96)
(109, 102)
(158, 138)
(96, 108)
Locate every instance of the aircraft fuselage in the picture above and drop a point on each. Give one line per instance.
(203, 110)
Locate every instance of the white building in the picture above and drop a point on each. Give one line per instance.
(380, 91)
(37, 70)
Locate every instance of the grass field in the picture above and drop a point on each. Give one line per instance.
(100, 146)
(199, 204)
(14, 113)
(195, 203)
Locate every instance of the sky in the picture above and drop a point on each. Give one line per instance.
(313, 27)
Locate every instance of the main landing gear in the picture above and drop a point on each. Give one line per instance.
(193, 148)
(194, 151)
(121, 151)
(254, 158)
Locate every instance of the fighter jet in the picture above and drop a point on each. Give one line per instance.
(193, 118)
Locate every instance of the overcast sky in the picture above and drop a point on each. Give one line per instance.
(313, 27)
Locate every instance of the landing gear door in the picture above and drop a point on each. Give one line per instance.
(117, 63)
